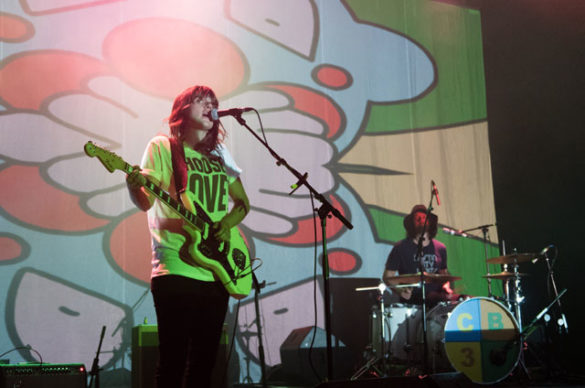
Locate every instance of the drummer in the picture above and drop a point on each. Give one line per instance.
(402, 259)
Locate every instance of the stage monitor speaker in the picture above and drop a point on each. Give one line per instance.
(294, 354)
(43, 376)
(145, 357)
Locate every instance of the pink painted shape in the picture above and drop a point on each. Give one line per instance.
(341, 261)
(30, 80)
(130, 246)
(333, 77)
(14, 28)
(164, 56)
(9, 249)
(27, 197)
(317, 105)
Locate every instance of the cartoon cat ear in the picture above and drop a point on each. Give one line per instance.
(280, 24)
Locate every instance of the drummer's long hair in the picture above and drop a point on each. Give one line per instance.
(411, 230)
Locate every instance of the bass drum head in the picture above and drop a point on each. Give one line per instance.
(482, 340)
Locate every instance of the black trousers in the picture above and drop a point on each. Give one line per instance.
(190, 315)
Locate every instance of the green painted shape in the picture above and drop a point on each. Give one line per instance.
(452, 37)
(465, 256)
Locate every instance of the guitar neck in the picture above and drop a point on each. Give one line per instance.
(172, 203)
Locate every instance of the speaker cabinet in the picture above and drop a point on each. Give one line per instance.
(144, 355)
(43, 375)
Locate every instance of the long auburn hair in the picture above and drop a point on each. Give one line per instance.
(179, 118)
(411, 230)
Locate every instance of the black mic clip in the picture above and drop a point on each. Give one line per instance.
(299, 183)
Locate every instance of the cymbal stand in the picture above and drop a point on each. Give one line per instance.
(506, 284)
(518, 299)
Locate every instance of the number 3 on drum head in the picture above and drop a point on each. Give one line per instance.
(468, 360)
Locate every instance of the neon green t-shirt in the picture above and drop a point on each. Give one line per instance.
(207, 185)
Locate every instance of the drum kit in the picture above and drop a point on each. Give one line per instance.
(480, 337)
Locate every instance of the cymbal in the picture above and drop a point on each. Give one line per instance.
(503, 275)
(428, 278)
(512, 258)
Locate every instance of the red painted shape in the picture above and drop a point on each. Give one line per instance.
(29, 80)
(333, 77)
(31, 200)
(165, 56)
(305, 231)
(9, 249)
(14, 28)
(341, 260)
(314, 104)
(130, 246)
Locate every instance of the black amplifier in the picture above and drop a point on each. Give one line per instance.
(43, 376)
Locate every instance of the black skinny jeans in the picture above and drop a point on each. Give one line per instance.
(190, 315)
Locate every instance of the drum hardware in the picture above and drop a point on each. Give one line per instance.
(562, 322)
(378, 352)
(486, 240)
(512, 285)
(408, 350)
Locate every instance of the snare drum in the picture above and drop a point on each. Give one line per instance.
(402, 322)
(393, 333)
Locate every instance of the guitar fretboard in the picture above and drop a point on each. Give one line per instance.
(175, 205)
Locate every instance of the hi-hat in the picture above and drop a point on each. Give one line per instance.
(503, 275)
(416, 278)
(513, 258)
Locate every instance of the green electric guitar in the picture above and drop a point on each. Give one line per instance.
(228, 260)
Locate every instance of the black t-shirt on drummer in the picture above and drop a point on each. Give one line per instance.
(402, 258)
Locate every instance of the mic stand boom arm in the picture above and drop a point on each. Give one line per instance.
(323, 211)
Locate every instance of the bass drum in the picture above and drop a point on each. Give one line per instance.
(482, 340)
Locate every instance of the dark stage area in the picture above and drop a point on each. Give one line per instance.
(534, 59)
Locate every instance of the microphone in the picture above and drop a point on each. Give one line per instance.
(542, 253)
(454, 232)
(436, 192)
(215, 114)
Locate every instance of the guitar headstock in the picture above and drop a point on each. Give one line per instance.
(110, 160)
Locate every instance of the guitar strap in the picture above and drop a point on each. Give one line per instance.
(179, 165)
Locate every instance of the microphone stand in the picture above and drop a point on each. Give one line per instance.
(554, 285)
(484, 230)
(325, 211)
(95, 369)
(419, 251)
(257, 287)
